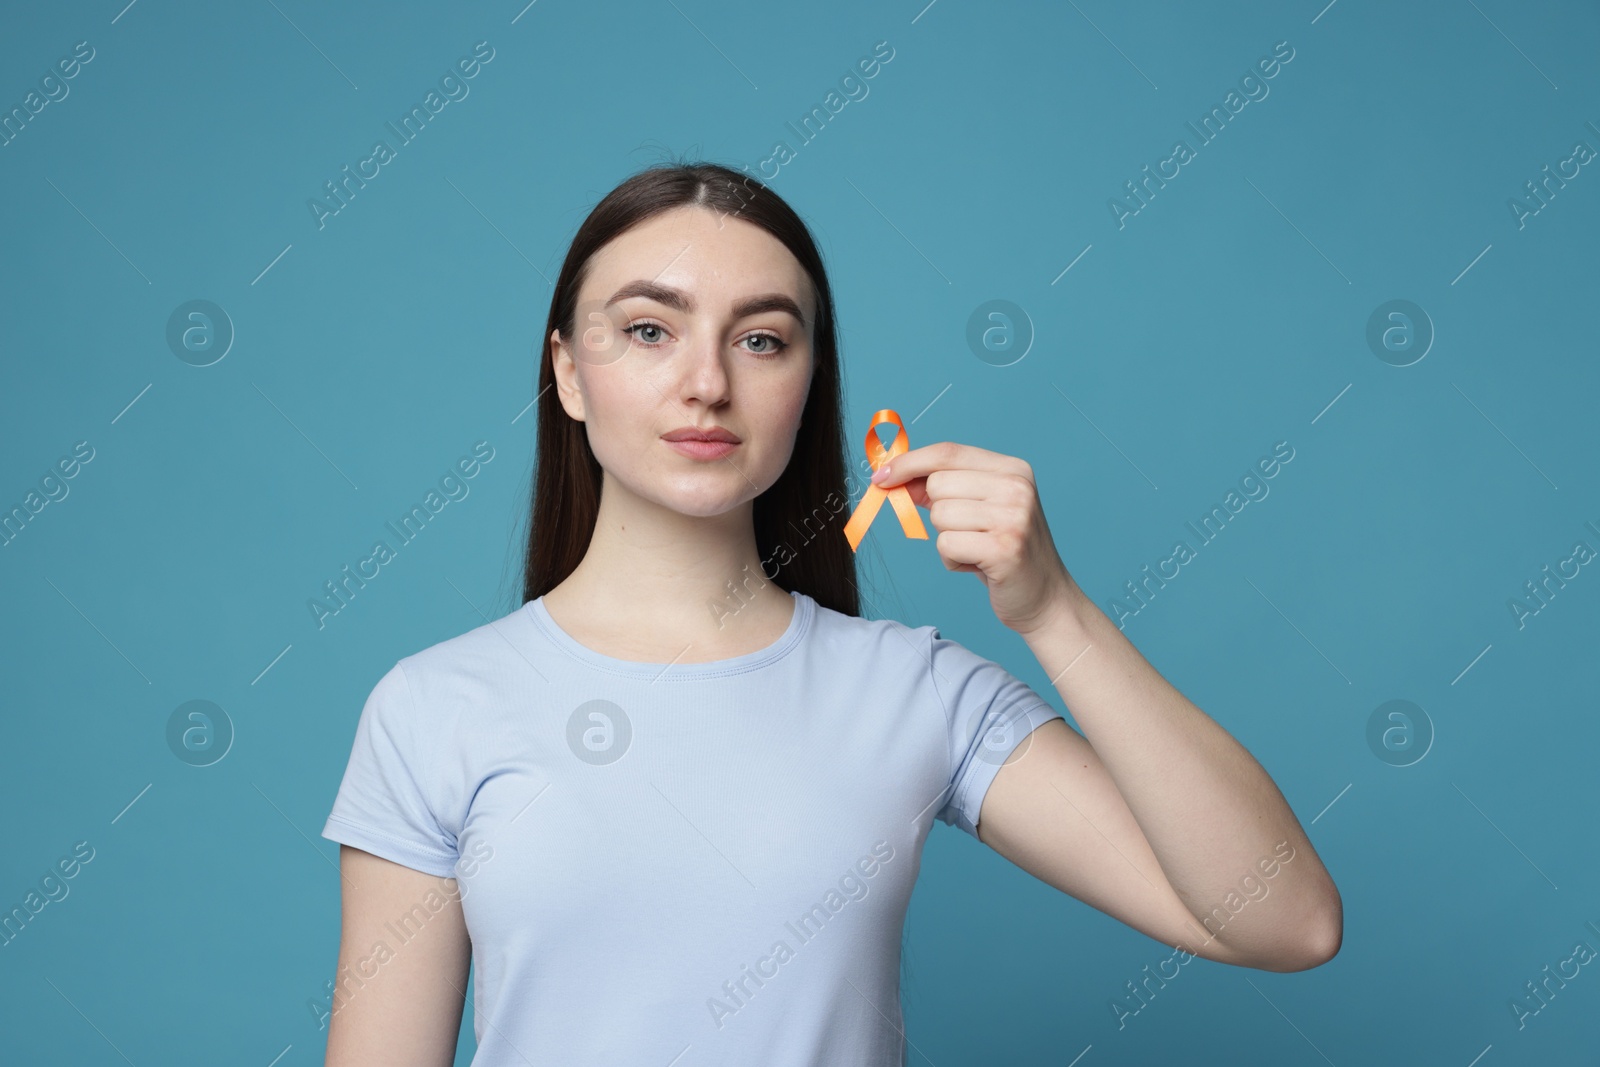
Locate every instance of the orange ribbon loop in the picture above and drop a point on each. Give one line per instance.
(867, 508)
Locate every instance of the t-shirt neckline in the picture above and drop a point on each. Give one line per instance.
(799, 625)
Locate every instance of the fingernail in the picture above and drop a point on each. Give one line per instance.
(880, 475)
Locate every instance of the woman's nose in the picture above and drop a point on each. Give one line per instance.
(704, 374)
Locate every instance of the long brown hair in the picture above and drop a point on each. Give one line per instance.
(795, 510)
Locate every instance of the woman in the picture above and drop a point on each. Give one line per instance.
(678, 798)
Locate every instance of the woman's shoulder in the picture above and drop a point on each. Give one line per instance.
(925, 649)
(484, 651)
(859, 625)
(880, 640)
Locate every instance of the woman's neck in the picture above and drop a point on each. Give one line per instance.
(658, 586)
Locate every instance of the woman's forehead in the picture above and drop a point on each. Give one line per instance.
(716, 262)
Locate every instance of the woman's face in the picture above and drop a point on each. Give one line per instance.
(688, 321)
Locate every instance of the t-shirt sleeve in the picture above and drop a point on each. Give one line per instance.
(386, 803)
(989, 712)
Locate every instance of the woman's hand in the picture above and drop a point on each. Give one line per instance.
(986, 509)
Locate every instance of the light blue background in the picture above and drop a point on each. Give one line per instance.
(1227, 315)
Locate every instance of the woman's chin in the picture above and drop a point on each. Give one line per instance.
(705, 511)
(705, 502)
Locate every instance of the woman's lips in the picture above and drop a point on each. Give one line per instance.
(703, 449)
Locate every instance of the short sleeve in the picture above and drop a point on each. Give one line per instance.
(989, 712)
(384, 805)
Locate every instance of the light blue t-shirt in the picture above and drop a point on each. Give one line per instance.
(686, 864)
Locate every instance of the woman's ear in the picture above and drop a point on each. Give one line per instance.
(565, 372)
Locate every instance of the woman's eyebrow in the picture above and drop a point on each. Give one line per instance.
(682, 301)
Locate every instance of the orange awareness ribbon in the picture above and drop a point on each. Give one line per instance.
(867, 508)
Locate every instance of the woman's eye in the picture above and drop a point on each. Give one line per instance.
(771, 344)
(652, 334)
(637, 328)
